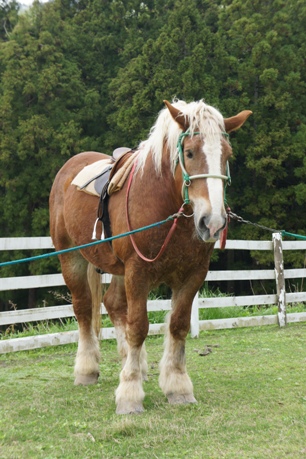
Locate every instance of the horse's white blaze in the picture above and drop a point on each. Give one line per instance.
(213, 152)
(212, 208)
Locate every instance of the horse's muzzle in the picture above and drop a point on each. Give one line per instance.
(210, 226)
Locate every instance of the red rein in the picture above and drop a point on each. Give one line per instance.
(169, 235)
(223, 236)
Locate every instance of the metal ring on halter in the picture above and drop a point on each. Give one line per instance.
(188, 216)
(187, 182)
(184, 215)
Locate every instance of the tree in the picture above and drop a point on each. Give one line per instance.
(179, 59)
(8, 18)
(266, 44)
(44, 105)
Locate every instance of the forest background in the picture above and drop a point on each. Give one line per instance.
(92, 75)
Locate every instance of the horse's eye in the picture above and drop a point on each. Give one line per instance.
(189, 154)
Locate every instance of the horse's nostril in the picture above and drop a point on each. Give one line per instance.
(203, 223)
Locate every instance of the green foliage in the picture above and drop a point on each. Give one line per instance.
(79, 75)
(8, 18)
(179, 59)
(269, 61)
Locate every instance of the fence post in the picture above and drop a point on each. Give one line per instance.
(279, 278)
(194, 321)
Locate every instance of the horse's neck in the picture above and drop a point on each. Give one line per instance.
(162, 184)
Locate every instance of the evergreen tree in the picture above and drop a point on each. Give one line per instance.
(44, 103)
(178, 60)
(8, 18)
(266, 43)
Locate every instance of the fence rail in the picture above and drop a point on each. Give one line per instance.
(64, 311)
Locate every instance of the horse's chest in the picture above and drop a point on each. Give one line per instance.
(178, 265)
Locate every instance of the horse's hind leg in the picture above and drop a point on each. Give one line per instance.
(174, 380)
(75, 271)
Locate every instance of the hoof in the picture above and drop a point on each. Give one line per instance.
(129, 408)
(181, 399)
(86, 380)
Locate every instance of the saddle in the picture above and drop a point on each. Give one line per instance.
(116, 179)
(102, 179)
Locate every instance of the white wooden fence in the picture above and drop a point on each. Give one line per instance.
(279, 274)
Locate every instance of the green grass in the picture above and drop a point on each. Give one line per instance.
(251, 393)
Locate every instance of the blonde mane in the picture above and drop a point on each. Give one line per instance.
(199, 116)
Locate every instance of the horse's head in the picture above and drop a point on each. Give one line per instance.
(202, 164)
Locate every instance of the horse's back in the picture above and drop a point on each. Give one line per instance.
(74, 165)
(61, 188)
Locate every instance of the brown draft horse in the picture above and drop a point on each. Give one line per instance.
(183, 161)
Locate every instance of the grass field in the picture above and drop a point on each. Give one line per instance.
(251, 392)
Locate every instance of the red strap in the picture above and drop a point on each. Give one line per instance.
(169, 235)
(223, 236)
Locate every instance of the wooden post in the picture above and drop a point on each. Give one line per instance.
(194, 321)
(279, 278)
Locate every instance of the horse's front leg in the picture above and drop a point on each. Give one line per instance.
(115, 302)
(130, 394)
(174, 380)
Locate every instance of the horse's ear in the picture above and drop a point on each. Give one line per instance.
(235, 122)
(178, 116)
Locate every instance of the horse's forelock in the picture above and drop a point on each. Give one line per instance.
(200, 117)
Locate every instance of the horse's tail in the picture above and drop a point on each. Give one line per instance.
(94, 281)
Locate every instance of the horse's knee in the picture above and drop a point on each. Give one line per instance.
(137, 331)
(179, 326)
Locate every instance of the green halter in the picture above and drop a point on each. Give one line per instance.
(188, 178)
